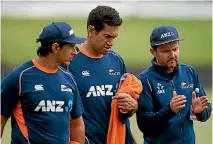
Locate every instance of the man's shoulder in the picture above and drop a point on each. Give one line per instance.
(112, 54)
(19, 70)
(183, 65)
(23, 67)
(67, 74)
(146, 72)
(186, 67)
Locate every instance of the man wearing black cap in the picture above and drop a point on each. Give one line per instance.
(40, 97)
(172, 93)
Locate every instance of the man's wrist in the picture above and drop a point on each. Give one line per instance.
(134, 105)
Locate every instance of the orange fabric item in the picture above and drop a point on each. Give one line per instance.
(117, 130)
(18, 114)
(74, 142)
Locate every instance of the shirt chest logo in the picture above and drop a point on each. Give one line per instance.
(39, 87)
(85, 73)
(160, 89)
(64, 88)
(185, 85)
(113, 72)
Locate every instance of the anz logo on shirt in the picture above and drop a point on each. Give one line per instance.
(102, 90)
(54, 106)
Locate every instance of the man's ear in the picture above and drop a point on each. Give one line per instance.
(55, 48)
(90, 30)
(153, 52)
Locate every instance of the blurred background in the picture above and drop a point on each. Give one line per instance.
(21, 23)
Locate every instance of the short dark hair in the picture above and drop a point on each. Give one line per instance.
(102, 15)
(155, 47)
(46, 46)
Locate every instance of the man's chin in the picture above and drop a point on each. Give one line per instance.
(104, 52)
(171, 66)
(67, 63)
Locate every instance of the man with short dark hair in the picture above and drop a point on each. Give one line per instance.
(41, 98)
(172, 93)
(98, 70)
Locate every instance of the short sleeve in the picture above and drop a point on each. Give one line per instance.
(9, 94)
(123, 66)
(77, 108)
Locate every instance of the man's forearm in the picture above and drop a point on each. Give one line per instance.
(157, 120)
(135, 107)
(77, 134)
(77, 130)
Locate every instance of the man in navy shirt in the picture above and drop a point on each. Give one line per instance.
(97, 70)
(172, 96)
(41, 98)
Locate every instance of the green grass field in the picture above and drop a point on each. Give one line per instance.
(18, 39)
(203, 131)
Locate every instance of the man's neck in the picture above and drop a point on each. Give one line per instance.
(170, 70)
(48, 62)
(87, 46)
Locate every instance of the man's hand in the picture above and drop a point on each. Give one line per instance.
(199, 104)
(125, 102)
(177, 102)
